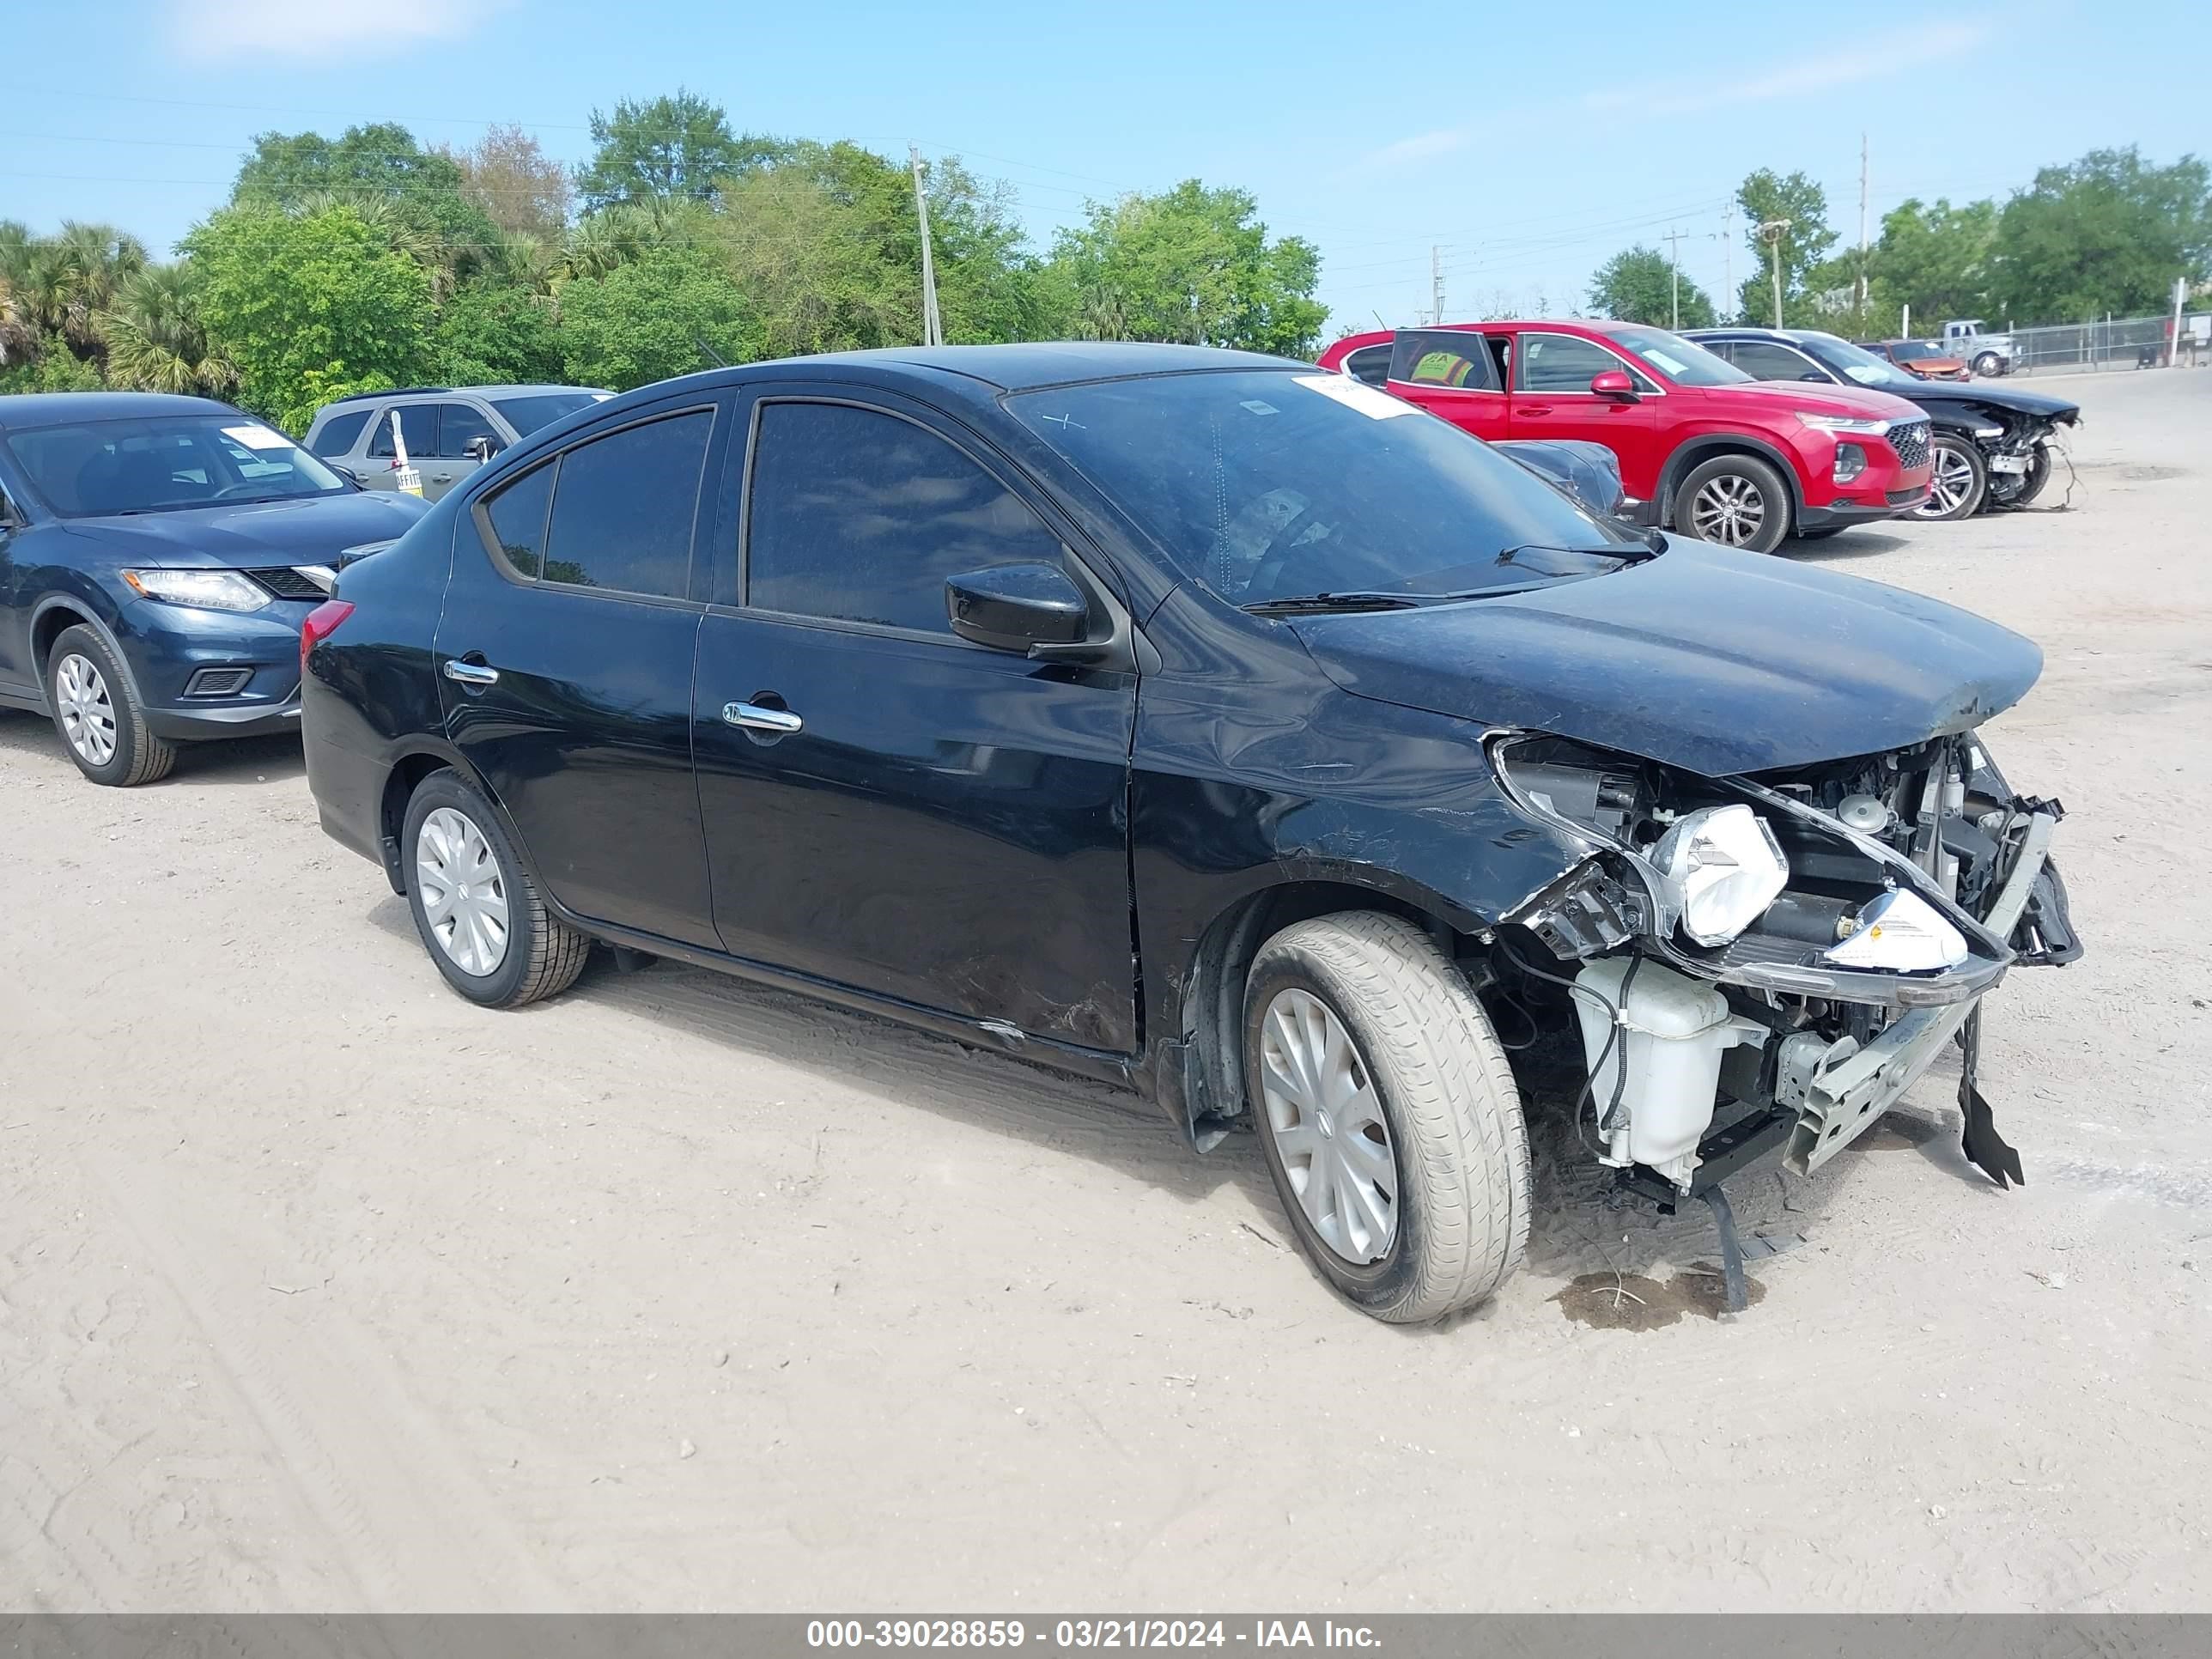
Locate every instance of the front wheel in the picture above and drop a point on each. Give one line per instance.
(476, 907)
(2038, 475)
(1738, 501)
(1989, 365)
(1959, 483)
(97, 711)
(1388, 1116)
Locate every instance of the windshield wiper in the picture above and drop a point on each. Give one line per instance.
(1632, 553)
(1310, 604)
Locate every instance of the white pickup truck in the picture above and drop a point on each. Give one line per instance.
(1988, 355)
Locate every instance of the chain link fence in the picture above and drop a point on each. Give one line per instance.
(2111, 342)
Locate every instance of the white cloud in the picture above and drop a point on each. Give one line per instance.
(287, 29)
(1810, 72)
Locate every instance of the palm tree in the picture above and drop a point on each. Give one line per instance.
(82, 268)
(443, 264)
(156, 342)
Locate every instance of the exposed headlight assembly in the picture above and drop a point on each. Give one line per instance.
(1724, 867)
(1901, 933)
(204, 590)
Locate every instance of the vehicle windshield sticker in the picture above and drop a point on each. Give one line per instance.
(1653, 355)
(1352, 394)
(1258, 408)
(258, 437)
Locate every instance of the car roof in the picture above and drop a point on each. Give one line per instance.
(520, 391)
(1023, 368)
(23, 410)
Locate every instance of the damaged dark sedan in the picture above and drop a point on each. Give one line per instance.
(1211, 724)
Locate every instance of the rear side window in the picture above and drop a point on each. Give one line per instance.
(418, 424)
(338, 433)
(623, 506)
(1452, 358)
(1369, 363)
(516, 516)
(457, 424)
(859, 516)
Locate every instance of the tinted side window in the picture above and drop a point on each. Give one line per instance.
(623, 508)
(516, 518)
(1451, 358)
(457, 424)
(338, 433)
(860, 516)
(418, 424)
(1369, 363)
(1565, 362)
(1767, 361)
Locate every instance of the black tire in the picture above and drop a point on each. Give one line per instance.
(2038, 475)
(135, 755)
(1459, 1148)
(1987, 365)
(1948, 449)
(1745, 478)
(542, 954)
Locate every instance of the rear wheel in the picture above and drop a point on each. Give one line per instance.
(1738, 501)
(1387, 1114)
(1989, 365)
(97, 711)
(1958, 481)
(476, 907)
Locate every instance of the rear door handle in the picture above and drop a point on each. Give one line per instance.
(471, 674)
(754, 718)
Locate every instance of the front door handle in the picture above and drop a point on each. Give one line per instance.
(754, 718)
(1533, 409)
(471, 674)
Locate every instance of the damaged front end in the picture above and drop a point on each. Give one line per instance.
(1767, 962)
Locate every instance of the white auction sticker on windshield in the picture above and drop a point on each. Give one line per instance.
(1356, 394)
(258, 437)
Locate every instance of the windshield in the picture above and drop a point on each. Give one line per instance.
(167, 462)
(1268, 485)
(1683, 361)
(1856, 362)
(527, 414)
(1914, 351)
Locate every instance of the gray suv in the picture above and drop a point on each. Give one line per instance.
(449, 431)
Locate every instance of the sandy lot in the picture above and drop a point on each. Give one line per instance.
(321, 1289)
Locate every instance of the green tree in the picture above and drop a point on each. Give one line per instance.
(50, 366)
(670, 310)
(1765, 197)
(156, 341)
(2108, 233)
(1936, 258)
(678, 146)
(381, 162)
(1190, 264)
(495, 333)
(1637, 285)
(507, 177)
(309, 306)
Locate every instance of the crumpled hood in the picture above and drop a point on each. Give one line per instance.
(248, 534)
(2041, 405)
(1711, 660)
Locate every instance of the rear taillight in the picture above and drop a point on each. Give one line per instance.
(322, 622)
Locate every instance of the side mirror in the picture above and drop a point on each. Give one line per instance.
(1033, 608)
(1615, 383)
(344, 471)
(482, 447)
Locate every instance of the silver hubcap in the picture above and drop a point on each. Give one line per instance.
(88, 712)
(1327, 1125)
(1729, 509)
(1951, 482)
(464, 896)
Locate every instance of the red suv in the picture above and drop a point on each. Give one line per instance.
(1703, 447)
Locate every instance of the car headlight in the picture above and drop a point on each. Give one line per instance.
(1900, 931)
(1725, 868)
(1867, 424)
(204, 590)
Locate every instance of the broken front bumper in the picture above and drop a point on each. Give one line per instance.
(1837, 1088)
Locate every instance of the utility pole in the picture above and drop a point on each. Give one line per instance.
(1862, 231)
(1675, 276)
(2173, 346)
(933, 326)
(1772, 234)
(1437, 283)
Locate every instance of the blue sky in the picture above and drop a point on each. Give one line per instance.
(1529, 143)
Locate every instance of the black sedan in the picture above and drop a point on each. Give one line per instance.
(1213, 724)
(1992, 442)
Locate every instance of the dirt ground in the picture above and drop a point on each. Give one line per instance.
(321, 1289)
